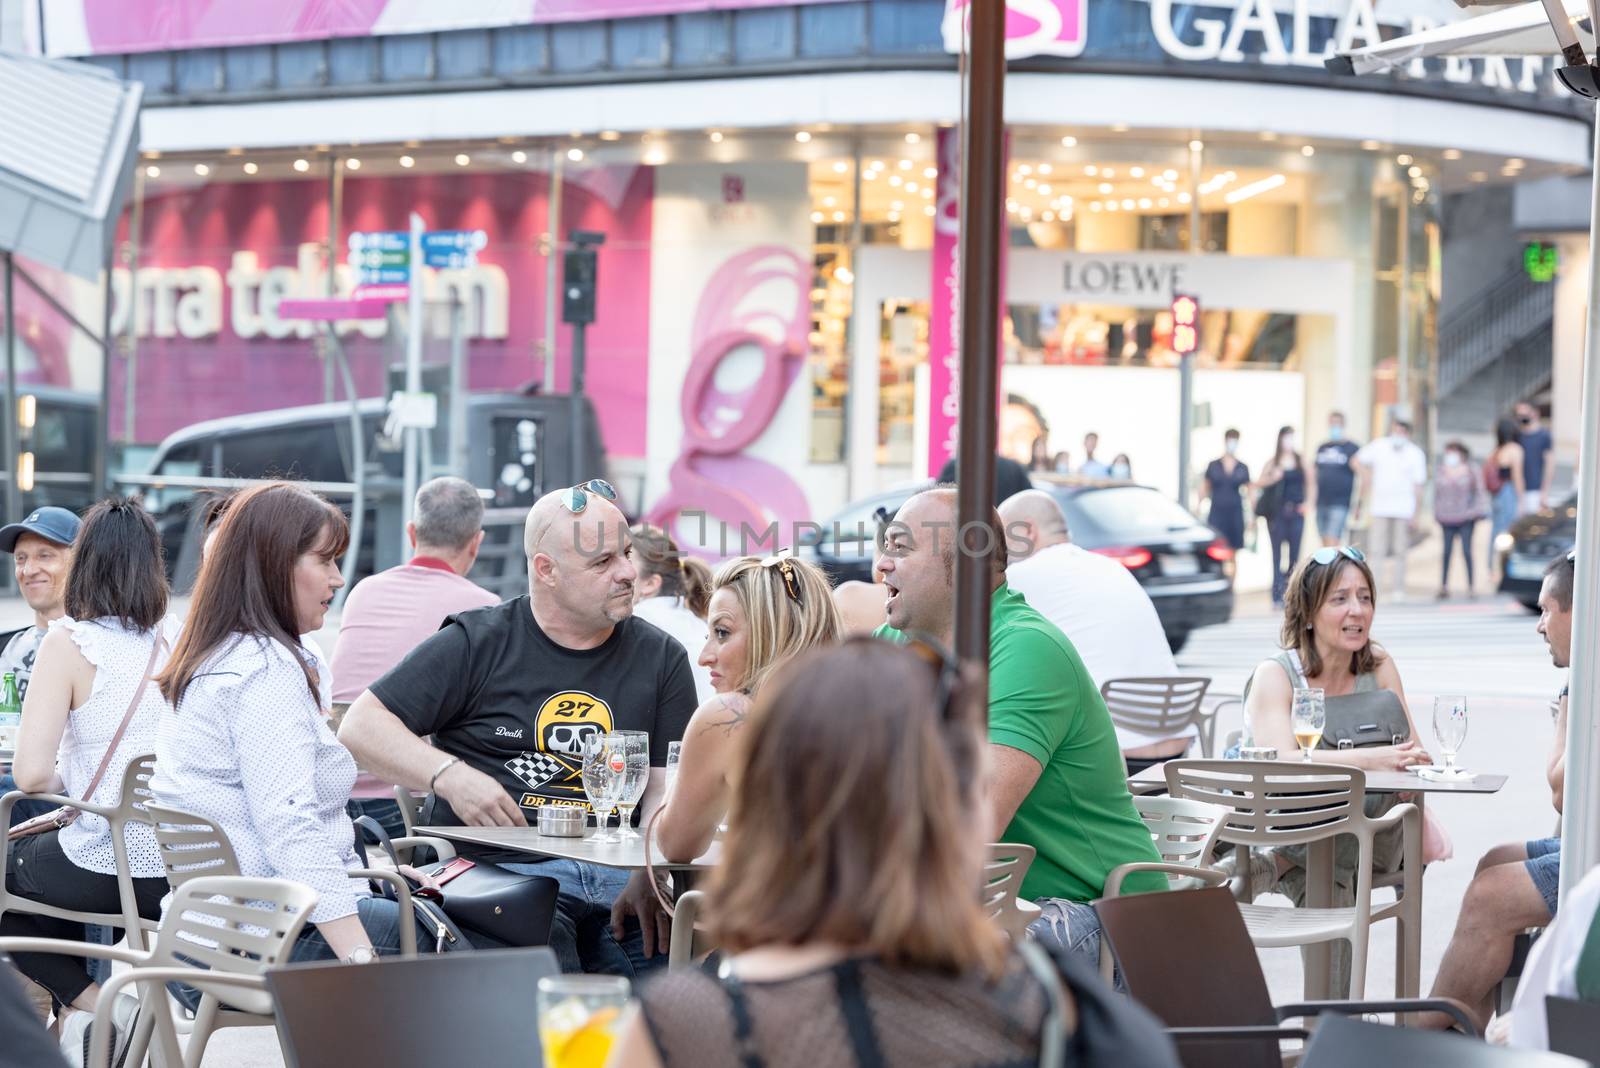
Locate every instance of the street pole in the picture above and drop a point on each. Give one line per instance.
(331, 289)
(579, 352)
(1403, 349)
(982, 245)
(552, 274)
(1186, 362)
(458, 385)
(130, 336)
(413, 435)
(13, 495)
(1580, 814)
(102, 423)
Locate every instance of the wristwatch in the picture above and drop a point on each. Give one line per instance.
(362, 955)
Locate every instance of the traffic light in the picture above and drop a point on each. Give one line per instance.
(578, 277)
(1185, 324)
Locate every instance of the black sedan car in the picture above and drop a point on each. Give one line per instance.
(1182, 564)
(1527, 548)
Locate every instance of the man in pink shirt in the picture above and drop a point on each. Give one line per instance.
(390, 613)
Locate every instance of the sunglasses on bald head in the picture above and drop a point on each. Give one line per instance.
(576, 499)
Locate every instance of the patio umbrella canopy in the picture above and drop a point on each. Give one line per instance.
(1521, 30)
(1527, 30)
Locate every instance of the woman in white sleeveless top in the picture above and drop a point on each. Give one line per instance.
(90, 666)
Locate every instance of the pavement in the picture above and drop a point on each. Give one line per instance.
(1484, 647)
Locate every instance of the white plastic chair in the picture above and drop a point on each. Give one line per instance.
(1280, 803)
(1160, 707)
(130, 808)
(1003, 873)
(220, 934)
(685, 911)
(1185, 834)
(193, 848)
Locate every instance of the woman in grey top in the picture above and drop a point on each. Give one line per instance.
(1327, 645)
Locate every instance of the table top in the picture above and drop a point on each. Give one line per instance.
(628, 856)
(1378, 782)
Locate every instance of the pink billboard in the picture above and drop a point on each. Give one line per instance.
(97, 27)
(216, 261)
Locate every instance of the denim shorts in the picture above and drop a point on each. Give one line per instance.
(1332, 519)
(1544, 868)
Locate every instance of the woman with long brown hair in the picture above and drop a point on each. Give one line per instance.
(247, 743)
(847, 899)
(673, 591)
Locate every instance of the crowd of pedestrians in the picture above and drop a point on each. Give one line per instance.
(1375, 494)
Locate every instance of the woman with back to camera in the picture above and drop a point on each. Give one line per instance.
(846, 901)
(762, 613)
(90, 676)
(673, 591)
(1283, 505)
(1504, 471)
(246, 743)
(1326, 644)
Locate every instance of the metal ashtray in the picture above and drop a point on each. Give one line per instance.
(1259, 752)
(562, 821)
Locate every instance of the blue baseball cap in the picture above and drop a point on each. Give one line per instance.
(52, 524)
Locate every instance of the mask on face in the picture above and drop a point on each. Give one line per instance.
(1525, 422)
(1287, 444)
(1336, 432)
(1452, 460)
(1121, 471)
(1232, 446)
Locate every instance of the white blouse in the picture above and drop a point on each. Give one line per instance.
(120, 657)
(249, 749)
(672, 615)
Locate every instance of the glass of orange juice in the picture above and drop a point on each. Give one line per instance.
(578, 1018)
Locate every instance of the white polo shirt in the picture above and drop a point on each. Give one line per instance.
(1552, 968)
(1104, 613)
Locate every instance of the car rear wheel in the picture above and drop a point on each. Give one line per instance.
(1176, 640)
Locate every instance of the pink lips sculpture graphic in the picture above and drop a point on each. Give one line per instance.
(711, 476)
(1033, 27)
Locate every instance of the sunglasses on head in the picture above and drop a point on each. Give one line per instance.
(788, 570)
(576, 499)
(1328, 555)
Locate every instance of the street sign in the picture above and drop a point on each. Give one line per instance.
(374, 257)
(448, 259)
(384, 293)
(379, 276)
(455, 240)
(1185, 324)
(389, 240)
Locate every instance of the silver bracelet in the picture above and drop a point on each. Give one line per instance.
(446, 766)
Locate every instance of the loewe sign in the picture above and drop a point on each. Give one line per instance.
(1122, 278)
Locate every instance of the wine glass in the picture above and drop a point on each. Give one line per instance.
(1310, 716)
(1450, 728)
(635, 746)
(603, 770)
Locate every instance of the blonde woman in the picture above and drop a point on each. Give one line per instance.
(762, 613)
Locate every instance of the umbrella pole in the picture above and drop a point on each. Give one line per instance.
(1580, 820)
(982, 245)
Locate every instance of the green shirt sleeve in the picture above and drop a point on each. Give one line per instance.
(1030, 685)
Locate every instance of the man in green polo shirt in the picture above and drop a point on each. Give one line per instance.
(1058, 781)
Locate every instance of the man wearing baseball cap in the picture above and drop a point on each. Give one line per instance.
(42, 547)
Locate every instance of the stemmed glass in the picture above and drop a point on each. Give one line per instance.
(1310, 717)
(1450, 728)
(635, 749)
(603, 770)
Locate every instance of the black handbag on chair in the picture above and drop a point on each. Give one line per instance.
(484, 899)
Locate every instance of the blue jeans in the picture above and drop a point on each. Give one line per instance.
(1544, 868)
(1502, 513)
(1332, 519)
(580, 934)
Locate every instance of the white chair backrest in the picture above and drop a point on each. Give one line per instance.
(1003, 873)
(191, 846)
(1184, 831)
(233, 925)
(1273, 802)
(1160, 707)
